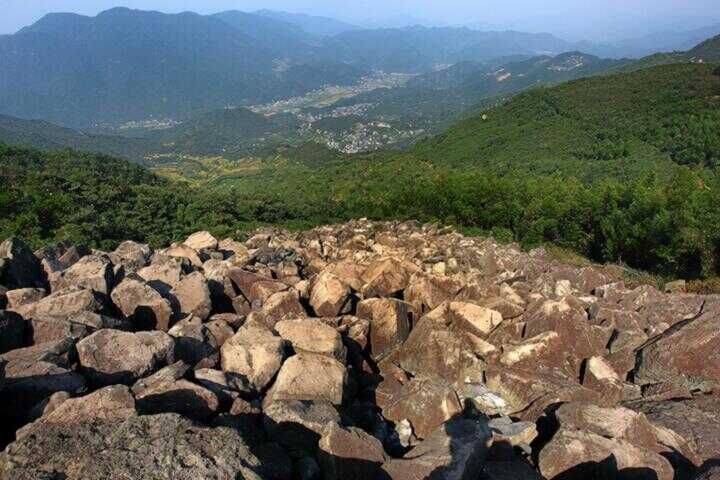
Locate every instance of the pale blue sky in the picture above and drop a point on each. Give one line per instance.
(572, 19)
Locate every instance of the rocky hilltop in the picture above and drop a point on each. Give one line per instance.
(357, 351)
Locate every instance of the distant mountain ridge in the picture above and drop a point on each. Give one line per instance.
(314, 25)
(125, 64)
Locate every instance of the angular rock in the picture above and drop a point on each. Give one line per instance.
(111, 403)
(23, 296)
(64, 303)
(201, 241)
(142, 304)
(92, 272)
(178, 250)
(193, 296)
(312, 336)
(281, 306)
(110, 357)
(178, 396)
(568, 318)
(230, 247)
(696, 420)
(579, 454)
(28, 381)
(254, 353)
(427, 292)
(529, 392)
(131, 255)
(349, 454)
(308, 376)
(435, 350)
(254, 289)
(329, 295)
(390, 324)
(298, 425)
(164, 273)
(602, 377)
(21, 269)
(195, 345)
(426, 403)
(386, 277)
(685, 356)
(221, 330)
(479, 321)
(47, 328)
(227, 390)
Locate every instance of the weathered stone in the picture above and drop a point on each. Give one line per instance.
(163, 274)
(312, 336)
(195, 345)
(193, 296)
(201, 241)
(23, 296)
(135, 448)
(281, 306)
(685, 356)
(221, 330)
(78, 326)
(14, 331)
(178, 396)
(386, 277)
(92, 272)
(531, 351)
(108, 357)
(131, 255)
(329, 295)
(427, 292)
(602, 377)
(48, 405)
(298, 425)
(426, 403)
(349, 454)
(568, 318)
(455, 451)
(142, 304)
(168, 374)
(579, 454)
(436, 350)
(217, 382)
(255, 353)
(21, 268)
(112, 403)
(390, 324)
(254, 289)
(64, 303)
(529, 392)
(479, 321)
(26, 382)
(308, 376)
(178, 250)
(515, 434)
(230, 247)
(697, 420)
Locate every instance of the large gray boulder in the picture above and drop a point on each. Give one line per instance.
(110, 357)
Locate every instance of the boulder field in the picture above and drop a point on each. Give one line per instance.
(361, 351)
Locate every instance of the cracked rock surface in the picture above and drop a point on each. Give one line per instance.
(366, 350)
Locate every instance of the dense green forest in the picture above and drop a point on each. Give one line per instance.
(618, 168)
(660, 225)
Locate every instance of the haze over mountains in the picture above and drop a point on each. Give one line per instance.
(129, 65)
